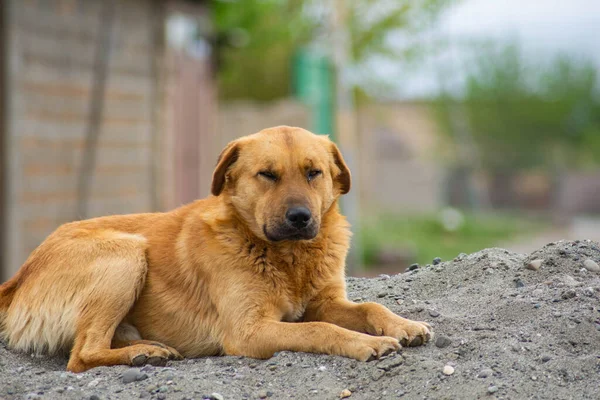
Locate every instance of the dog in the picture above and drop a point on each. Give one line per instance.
(254, 269)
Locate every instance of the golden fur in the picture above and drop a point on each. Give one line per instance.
(229, 274)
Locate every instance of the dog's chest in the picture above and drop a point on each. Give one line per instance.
(294, 287)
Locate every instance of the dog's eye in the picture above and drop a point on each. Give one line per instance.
(313, 174)
(269, 175)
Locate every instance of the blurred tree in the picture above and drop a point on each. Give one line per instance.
(256, 40)
(522, 115)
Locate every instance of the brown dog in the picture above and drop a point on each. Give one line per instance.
(229, 274)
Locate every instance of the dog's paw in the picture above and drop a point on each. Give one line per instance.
(152, 354)
(410, 333)
(371, 348)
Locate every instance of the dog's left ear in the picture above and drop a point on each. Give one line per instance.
(228, 156)
(343, 179)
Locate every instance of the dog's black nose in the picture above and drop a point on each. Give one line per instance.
(298, 217)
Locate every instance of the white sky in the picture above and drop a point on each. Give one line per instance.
(543, 28)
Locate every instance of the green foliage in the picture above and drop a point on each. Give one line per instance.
(426, 234)
(522, 115)
(256, 39)
(256, 42)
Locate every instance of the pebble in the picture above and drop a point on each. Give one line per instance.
(546, 358)
(94, 383)
(390, 362)
(591, 265)
(263, 394)
(519, 283)
(484, 373)
(132, 375)
(377, 374)
(535, 264)
(382, 294)
(412, 267)
(434, 313)
(215, 396)
(436, 261)
(569, 294)
(448, 370)
(442, 341)
(94, 397)
(345, 393)
(492, 389)
(161, 396)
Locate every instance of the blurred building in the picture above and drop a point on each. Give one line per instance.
(106, 108)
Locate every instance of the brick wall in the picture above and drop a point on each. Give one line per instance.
(50, 58)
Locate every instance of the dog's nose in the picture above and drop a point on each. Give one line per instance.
(298, 217)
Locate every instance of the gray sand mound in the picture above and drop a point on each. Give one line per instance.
(503, 330)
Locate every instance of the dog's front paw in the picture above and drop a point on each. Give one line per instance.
(410, 333)
(370, 348)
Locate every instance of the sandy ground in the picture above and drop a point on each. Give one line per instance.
(508, 332)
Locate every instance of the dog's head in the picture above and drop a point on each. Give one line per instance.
(281, 181)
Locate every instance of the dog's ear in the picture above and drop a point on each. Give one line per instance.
(228, 156)
(342, 178)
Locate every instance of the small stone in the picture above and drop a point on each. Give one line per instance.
(412, 267)
(434, 313)
(492, 389)
(448, 370)
(384, 277)
(390, 362)
(519, 283)
(263, 394)
(345, 393)
(535, 265)
(161, 396)
(94, 397)
(546, 358)
(272, 367)
(163, 389)
(442, 341)
(436, 261)
(377, 374)
(94, 383)
(322, 368)
(216, 396)
(591, 265)
(382, 294)
(484, 373)
(132, 375)
(569, 294)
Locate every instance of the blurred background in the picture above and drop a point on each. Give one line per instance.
(467, 124)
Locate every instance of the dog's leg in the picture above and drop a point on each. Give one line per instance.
(95, 332)
(265, 338)
(127, 335)
(115, 277)
(372, 318)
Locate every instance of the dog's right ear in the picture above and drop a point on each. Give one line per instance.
(228, 156)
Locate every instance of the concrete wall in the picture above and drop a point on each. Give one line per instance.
(49, 60)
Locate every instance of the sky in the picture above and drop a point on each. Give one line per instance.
(543, 28)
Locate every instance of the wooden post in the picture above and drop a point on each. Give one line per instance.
(345, 125)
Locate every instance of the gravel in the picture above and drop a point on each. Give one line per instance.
(538, 339)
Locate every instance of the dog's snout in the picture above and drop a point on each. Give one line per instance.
(298, 217)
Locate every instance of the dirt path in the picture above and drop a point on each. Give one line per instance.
(507, 332)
